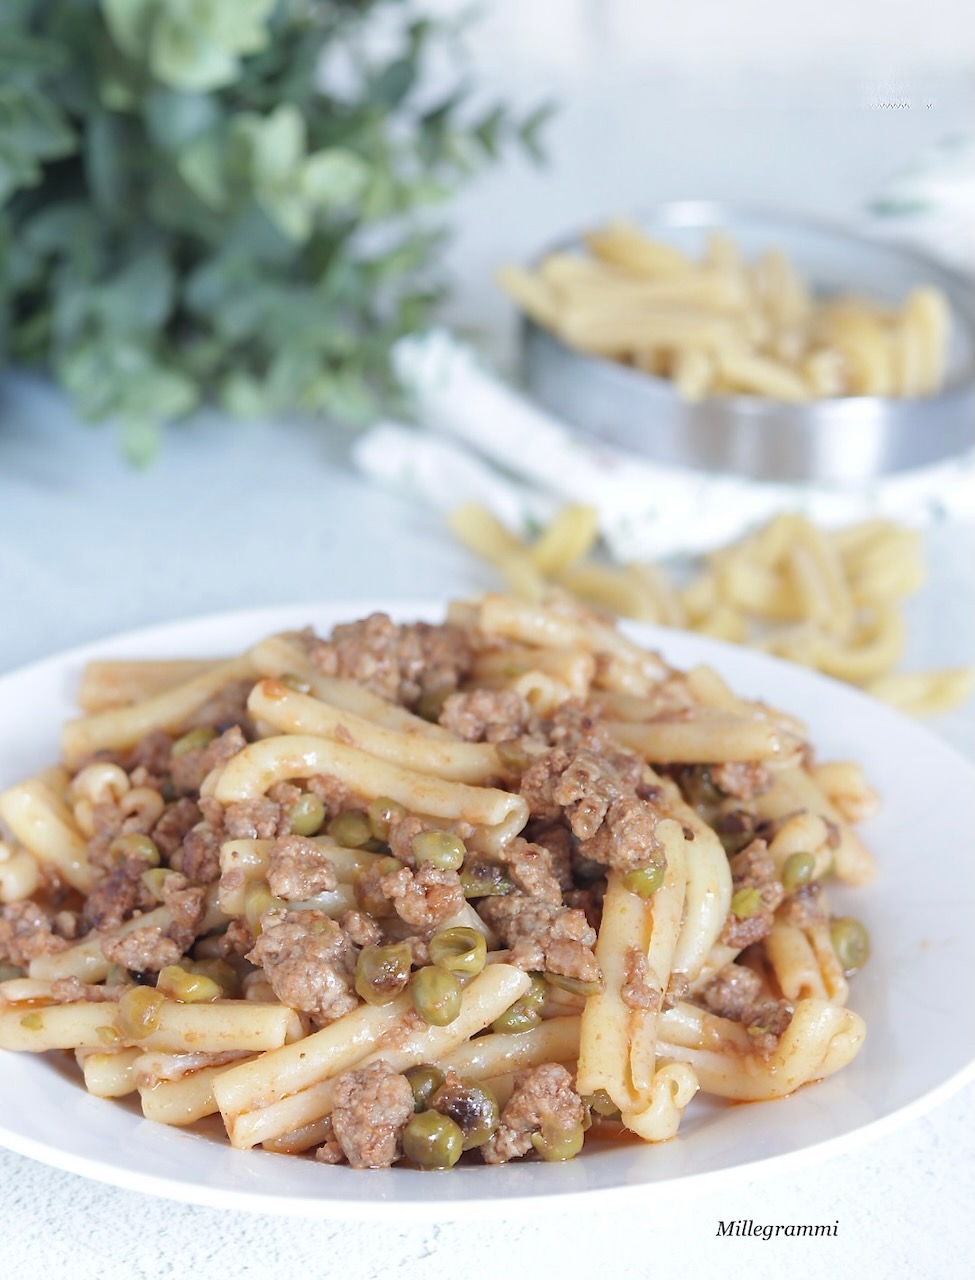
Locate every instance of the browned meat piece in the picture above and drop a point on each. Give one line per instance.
(309, 962)
(144, 950)
(361, 928)
(299, 869)
(190, 769)
(329, 1152)
(589, 901)
(176, 820)
(236, 940)
(27, 931)
(151, 754)
(743, 931)
(601, 800)
(372, 1107)
(403, 831)
(539, 780)
(803, 908)
(486, 715)
(742, 779)
(638, 990)
(227, 707)
(753, 868)
(400, 663)
(531, 869)
(558, 841)
(732, 991)
(626, 840)
(574, 728)
(585, 790)
(544, 1102)
(116, 896)
(259, 819)
(423, 898)
(334, 795)
(543, 936)
(188, 906)
(198, 858)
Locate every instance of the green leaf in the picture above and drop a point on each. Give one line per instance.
(394, 82)
(105, 162)
(531, 130)
(140, 296)
(243, 396)
(183, 57)
(175, 120)
(334, 176)
(488, 130)
(201, 168)
(289, 210)
(279, 145)
(141, 441)
(130, 23)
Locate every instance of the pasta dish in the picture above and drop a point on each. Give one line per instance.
(412, 891)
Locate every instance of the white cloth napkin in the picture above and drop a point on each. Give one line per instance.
(480, 440)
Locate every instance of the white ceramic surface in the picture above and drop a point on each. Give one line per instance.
(918, 1049)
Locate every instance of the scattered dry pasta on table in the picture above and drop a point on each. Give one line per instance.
(499, 886)
(829, 600)
(724, 326)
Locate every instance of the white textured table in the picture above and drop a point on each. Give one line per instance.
(234, 516)
(88, 548)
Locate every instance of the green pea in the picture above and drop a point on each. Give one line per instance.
(851, 942)
(382, 813)
(441, 849)
(460, 950)
(436, 995)
(526, 1012)
(135, 846)
(797, 870)
(746, 903)
(350, 829)
(424, 1079)
(154, 878)
(219, 971)
(194, 740)
(186, 987)
(259, 899)
(577, 986)
(602, 1104)
(306, 814)
(559, 1145)
(472, 1107)
(138, 1012)
(367, 894)
(433, 1141)
(381, 973)
(431, 703)
(485, 880)
(645, 881)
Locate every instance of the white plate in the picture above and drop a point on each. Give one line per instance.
(920, 1043)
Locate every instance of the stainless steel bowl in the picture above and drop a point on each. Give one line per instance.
(842, 441)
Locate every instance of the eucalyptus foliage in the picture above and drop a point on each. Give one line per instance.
(189, 210)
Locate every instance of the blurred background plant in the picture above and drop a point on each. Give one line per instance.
(228, 199)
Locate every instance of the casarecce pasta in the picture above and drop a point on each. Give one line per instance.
(497, 886)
